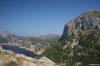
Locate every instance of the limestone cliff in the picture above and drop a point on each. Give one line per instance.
(85, 24)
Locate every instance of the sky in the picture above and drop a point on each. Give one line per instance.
(39, 17)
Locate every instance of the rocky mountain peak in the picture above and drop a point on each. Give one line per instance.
(85, 23)
(91, 12)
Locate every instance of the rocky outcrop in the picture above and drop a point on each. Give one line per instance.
(8, 58)
(46, 62)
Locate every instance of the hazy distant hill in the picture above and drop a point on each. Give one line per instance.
(35, 44)
(46, 39)
(43, 39)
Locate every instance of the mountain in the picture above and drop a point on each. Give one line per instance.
(10, 37)
(4, 34)
(42, 39)
(81, 39)
(85, 24)
(79, 43)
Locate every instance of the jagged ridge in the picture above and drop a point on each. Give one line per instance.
(89, 20)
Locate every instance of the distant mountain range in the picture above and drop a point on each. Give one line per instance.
(14, 38)
(35, 44)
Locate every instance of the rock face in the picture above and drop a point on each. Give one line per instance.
(80, 41)
(8, 58)
(86, 22)
(46, 62)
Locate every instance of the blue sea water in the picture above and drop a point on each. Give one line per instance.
(16, 49)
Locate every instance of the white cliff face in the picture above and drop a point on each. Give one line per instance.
(9, 58)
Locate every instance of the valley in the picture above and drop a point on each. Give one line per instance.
(79, 45)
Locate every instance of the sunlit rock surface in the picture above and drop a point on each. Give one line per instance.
(8, 58)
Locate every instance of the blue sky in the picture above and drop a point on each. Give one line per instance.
(39, 17)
